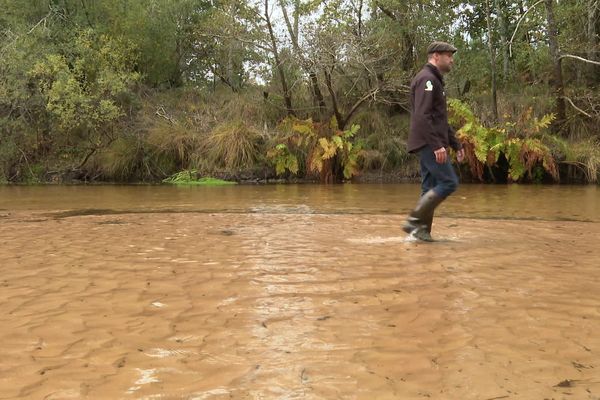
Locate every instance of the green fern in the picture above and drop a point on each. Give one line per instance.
(283, 160)
(522, 143)
(324, 145)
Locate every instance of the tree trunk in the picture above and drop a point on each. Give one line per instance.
(229, 72)
(559, 90)
(317, 94)
(526, 37)
(293, 32)
(360, 22)
(336, 110)
(502, 10)
(492, 52)
(592, 39)
(284, 86)
(407, 41)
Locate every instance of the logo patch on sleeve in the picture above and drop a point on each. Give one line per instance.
(428, 86)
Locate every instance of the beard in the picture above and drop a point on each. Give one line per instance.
(445, 68)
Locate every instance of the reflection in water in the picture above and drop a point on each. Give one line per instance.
(278, 271)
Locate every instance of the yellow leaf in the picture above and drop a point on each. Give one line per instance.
(329, 149)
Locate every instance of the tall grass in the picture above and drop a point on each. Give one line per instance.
(123, 160)
(172, 145)
(585, 156)
(234, 146)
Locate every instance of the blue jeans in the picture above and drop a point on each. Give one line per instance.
(439, 177)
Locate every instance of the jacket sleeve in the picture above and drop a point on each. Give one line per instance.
(454, 143)
(423, 112)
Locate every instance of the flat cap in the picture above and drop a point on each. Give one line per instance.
(440, 47)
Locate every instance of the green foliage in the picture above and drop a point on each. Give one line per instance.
(339, 144)
(223, 31)
(283, 160)
(162, 31)
(137, 90)
(521, 142)
(84, 93)
(24, 124)
(190, 177)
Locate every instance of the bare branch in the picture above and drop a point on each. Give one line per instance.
(288, 23)
(39, 22)
(577, 108)
(86, 158)
(580, 59)
(161, 112)
(245, 41)
(26, 162)
(16, 38)
(336, 110)
(386, 11)
(221, 77)
(519, 23)
(356, 105)
(278, 62)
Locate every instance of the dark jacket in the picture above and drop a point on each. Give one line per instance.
(429, 115)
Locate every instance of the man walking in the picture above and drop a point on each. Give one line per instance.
(430, 136)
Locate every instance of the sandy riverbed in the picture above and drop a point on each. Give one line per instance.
(290, 306)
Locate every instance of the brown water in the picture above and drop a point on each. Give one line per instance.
(293, 292)
(580, 203)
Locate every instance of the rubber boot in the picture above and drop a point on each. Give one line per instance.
(420, 219)
(429, 222)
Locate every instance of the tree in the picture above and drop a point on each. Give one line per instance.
(558, 84)
(87, 93)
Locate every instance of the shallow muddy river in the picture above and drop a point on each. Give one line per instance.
(298, 292)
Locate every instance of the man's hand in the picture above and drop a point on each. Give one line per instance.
(460, 155)
(441, 155)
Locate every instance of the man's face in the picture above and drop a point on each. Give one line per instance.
(444, 61)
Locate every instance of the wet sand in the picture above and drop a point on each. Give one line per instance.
(296, 306)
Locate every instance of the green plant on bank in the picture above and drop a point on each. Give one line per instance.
(325, 149)
(190, 177)
(526, 143)
(283, 159)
